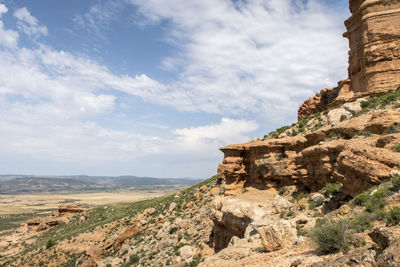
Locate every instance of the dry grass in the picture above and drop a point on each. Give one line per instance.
(19, 204)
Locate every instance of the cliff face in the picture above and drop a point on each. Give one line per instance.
(373, 31)
(333, 154)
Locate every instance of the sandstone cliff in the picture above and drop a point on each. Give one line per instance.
(373, 31)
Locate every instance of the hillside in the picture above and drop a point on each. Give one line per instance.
(324, 191)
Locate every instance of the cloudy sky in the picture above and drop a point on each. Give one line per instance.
(155, 87)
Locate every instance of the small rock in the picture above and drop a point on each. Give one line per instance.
(318, 199)
(280, 203)
(172, 206)
(353, 107)
(203, 188)
(186, 253)
(383, 236)
(338, 115)
(150, 211)
(214, 191)
(143, 222)
(4, 244)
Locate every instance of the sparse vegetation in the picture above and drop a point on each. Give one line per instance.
(282, 190)
(331, 189)
(396, 147)
(363, 133)
(395, 183)
(395, 128)
(393, 216)
(329, 236)
(134, 258)
(50, 243)
(301, 196)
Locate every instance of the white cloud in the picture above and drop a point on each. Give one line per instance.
(100, 16)
(8, 38)
(259, 57)
(3, 9)
(29, 24)
(206, 138)
(249, 56)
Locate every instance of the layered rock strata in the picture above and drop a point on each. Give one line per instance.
(314, 160)
(373, 31)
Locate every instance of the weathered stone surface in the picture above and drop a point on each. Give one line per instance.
(358, 258)
(278, 235)
(373, 31)
(390, 257)
(383, 236)
(313, 159)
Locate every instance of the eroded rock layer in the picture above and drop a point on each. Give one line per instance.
(314, 159)
(373, 31)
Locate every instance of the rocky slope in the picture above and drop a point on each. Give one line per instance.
(174, 229)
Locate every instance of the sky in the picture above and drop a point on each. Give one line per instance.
(156, 87)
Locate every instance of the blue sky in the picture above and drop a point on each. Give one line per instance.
(155, 87)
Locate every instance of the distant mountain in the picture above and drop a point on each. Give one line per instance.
(21, 184)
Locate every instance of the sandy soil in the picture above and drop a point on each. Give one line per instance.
(17, 204)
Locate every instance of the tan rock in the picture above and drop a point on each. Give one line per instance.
(214, 191)
(278, 235)
(203, 188)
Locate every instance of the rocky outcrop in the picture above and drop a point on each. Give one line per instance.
(373, 31)
(70, 208)
(323, 100)
(314, 159)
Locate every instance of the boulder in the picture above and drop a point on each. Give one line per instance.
(279, 235)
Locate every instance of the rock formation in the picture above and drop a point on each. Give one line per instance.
(312, 160)
(373, 31)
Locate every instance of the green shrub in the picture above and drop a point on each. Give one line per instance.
(134, 258)
(302, 195)
(50, 243)
(373, 203)
(362, 198)
(282, 190)
(329, 236)
(396, 147)
(362, 222)
(394, 128)
(395, 183)
(393, 216)
(377, 201)
(196, 260)
(331, 189)
(363, 133)
(325, 112)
